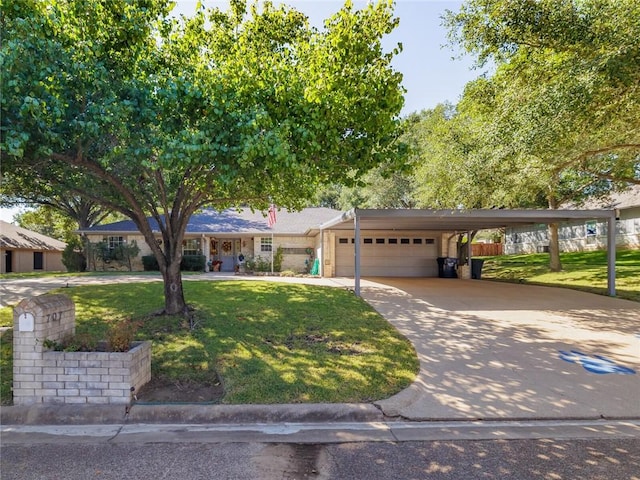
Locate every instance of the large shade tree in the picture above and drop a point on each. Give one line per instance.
(562, 110)
(155, 117)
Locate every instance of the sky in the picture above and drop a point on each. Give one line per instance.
(432, 73)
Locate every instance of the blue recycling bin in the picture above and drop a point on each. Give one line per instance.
(447, 267)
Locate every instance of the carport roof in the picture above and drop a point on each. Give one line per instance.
(456, 220)
(465, 220)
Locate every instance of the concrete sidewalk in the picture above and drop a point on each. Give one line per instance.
(487, 350)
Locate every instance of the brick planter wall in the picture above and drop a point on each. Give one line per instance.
(94, 377)
(43, 376)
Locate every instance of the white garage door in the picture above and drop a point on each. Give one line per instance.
(388, 256)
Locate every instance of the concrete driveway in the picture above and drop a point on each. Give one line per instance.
(492, 350)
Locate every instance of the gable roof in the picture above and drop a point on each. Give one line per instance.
(212, 222)
(629, 198)
(14, 237)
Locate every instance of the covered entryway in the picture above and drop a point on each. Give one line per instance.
(362, 227)
(225, 250)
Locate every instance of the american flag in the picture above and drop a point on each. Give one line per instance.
(271, 218)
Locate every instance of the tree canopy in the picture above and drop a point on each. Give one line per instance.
(152, 116)
(566, 91)
(558, 118)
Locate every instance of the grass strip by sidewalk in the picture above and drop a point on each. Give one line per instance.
(269, 342)
(581, 271)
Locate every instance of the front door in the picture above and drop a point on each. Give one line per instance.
(8, 261)
(229, 251)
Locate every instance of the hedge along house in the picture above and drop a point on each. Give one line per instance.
(225, 236)
(24, 251)
(578, 235)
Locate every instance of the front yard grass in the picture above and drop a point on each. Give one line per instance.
(581, 271)
(268, 342)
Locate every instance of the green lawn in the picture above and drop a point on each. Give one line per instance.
(268, 342)
(582, 270)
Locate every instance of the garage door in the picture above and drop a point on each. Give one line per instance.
(388, 256)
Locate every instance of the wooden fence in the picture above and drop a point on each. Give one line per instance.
(486, 249)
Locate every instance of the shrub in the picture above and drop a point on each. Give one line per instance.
(73, 258)
(81, 342)
(121, 335)
(193, 263)
(258, 264)
(150, 263)
(277, 259)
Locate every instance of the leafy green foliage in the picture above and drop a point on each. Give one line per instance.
(563, 102)
(104, 255)
(73, 258)
(193, 263)
(157, 117)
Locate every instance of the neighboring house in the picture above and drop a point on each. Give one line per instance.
(25, 251)
(583, 235)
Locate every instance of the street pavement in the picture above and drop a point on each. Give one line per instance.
(588, 459)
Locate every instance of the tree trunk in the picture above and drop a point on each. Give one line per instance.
(174, 303)
(554, 249)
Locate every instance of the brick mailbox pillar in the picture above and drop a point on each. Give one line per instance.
(44, 376)
(34, 320)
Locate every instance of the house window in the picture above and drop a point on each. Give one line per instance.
(114, 242)
(417, 241)
(343, 240)
(368, 240)
(191, 246)
(379, 240)
(591, 229)
(393, 241)
(430, 241)
(404, 241)
(266, 244)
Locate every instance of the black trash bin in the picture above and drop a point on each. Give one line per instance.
(440, 261)
(476, 267)
(449, 268)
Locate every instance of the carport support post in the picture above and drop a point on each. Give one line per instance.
(611, 255)
(356, 226)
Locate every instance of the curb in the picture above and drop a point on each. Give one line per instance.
(188, 414)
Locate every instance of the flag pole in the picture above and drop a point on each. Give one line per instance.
(271, 221)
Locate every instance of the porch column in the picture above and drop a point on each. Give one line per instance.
(611, 255)
(356, 224)
(206, 244)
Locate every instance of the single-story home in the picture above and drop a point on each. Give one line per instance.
(25, 251)
(579, 235)
(360, 242)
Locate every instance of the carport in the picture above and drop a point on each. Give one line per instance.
(461, 221)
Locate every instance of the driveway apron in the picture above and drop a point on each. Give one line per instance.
(492, 350)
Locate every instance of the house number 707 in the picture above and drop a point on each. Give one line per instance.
(54, 317)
